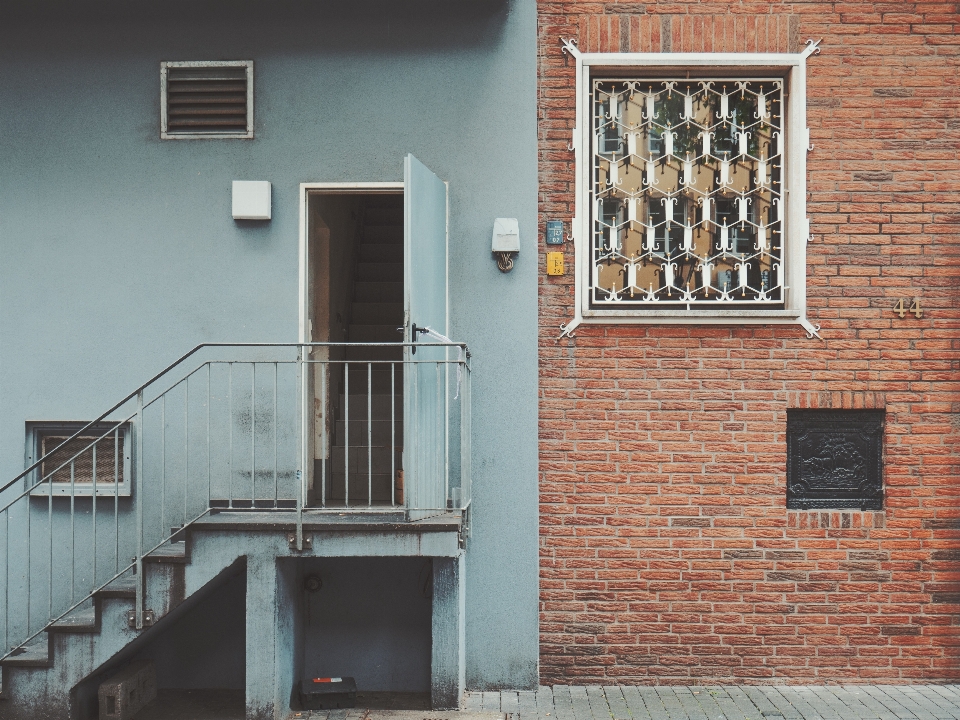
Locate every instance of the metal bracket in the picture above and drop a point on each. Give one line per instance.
(149, 618)
(292, 542)
(567, 330)
(813, 331)
(812, 48)
(570, 47)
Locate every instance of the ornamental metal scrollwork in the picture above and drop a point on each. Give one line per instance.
(688, 208)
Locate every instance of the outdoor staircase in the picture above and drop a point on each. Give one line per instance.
(376, 315)
(90, 641)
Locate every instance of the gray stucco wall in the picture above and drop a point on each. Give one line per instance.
(118, 252)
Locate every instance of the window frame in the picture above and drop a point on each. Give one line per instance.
(166, 65)
(791, 68)
(35, 430)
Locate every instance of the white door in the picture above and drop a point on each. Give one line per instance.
(425, 306)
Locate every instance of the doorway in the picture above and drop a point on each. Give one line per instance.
(374, 278)
(355, 297)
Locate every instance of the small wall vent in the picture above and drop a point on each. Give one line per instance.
(206, 99)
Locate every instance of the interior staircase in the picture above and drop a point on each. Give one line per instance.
(376, 315)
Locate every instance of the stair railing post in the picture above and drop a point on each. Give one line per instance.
(303, 445)
(139, 492)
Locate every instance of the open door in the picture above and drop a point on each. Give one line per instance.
(425, 306)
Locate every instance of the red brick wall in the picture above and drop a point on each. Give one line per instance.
(667, 553)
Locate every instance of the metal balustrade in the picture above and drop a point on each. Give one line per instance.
(295, 429)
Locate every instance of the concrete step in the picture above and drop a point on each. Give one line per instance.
(379, 291)
(357, 460)
(123, 587)
(37, 654)
(384, 214)
(82, 620)
(169, 553)
(375, 252)
(377, 353)
(360, 487)
(384, 432)
(380, 272)
(375, 333)
(377, 313)
(387, 234)
(379, 378)
(379, 407)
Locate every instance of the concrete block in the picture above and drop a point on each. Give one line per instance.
(122, 696)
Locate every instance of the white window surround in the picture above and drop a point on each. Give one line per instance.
(789, 66)
(114, 471)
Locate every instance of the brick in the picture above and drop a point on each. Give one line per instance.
(666, 548)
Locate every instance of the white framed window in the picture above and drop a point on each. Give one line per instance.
(206, 100)
(690, 188)
(99, 457)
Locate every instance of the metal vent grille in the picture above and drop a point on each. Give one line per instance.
(207, 99)
(108, 451)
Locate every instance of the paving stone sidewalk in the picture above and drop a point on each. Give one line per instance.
(687, 702)
(726, 702)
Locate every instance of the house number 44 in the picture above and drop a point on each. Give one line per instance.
(901, 308)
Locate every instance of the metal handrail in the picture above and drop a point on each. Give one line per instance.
(426, 427)
(194, 351)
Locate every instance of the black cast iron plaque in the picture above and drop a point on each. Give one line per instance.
(835, 459)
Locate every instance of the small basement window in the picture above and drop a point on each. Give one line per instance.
(835, 459)
(98, 457)
(205, 99)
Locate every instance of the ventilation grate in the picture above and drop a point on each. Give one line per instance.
(108, 452)
(207, 99)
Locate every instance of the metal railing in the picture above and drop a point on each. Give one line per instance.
(271, 428)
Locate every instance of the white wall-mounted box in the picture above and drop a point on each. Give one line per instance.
(251, 200)
(506, 235)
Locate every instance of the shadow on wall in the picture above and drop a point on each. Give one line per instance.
(306, 26)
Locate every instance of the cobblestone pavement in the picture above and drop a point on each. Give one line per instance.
(727, 702)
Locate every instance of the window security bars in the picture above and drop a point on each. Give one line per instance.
(687, 204)
(230, 428)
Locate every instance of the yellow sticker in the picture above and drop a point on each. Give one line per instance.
(554, 263)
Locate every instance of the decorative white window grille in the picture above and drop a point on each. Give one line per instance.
(206, 99)
(690, 188)
(687, 189)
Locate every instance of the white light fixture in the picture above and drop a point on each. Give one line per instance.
(251, 200)
(506, 242)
